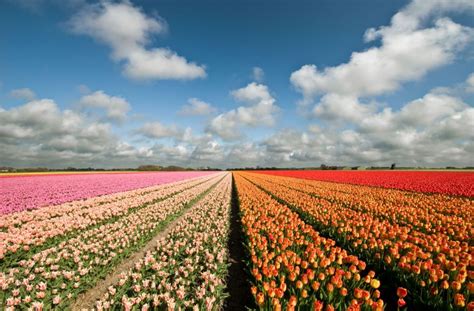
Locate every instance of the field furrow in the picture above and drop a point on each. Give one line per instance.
(187, 267)
(242, 240)
(25, 233)
(435, 268)
(292, 266)
(56, 275)
(442, 215)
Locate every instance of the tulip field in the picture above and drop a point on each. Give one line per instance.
(52, 254)
(31, 191)
(308, 240)
(447, 182)
(342, 246)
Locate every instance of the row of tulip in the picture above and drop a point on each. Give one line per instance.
(292, 266)
(54, 276)
(438, 272)
(19, 193)
(453, 183)
(25, 233)
(446, 216)
(188, 267)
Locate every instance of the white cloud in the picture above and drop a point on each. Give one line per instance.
(430, 109)
(433, 130)
(172, 155)
(23, 93)
(128, 30)
(258, 74)
(417, 114)
(116, 108)
(36, 117)
(196, 107)
(157, 130)
(428, 131)
(260, 111)
(410, 47)
(253, 93)
(382, 69)
(247, 152)
(161, 63)
(39, 133)
(209, 151)
(334, 107)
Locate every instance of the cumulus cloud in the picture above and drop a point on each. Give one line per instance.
(157, 130)
(40, 133)
(35, 118)
(127, 30)
(116, 108)
(383, 69)
(410, 48)
(209, 151)
(196, 107)
(248, 152)
(258, 74)
(176, 154)
(23, 93)
(429, 131)
(430, 109)
(260, 111)
(335, 107)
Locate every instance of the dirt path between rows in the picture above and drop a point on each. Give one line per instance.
(237, 282)
(86, 300)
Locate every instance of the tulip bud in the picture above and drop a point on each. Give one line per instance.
(401, 303)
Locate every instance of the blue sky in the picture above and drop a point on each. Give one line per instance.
(289, 116)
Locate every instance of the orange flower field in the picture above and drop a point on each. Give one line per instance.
(340, 245)
(293, 266)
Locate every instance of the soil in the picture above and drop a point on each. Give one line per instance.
(86, 301)
(238, 286)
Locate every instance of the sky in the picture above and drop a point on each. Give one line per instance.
(236, 83)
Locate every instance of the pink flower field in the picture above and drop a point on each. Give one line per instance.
(18, 193)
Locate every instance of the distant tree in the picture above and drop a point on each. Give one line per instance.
(149, 168)
(393, 166)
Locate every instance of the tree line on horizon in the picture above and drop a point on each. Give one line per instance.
(175, 168)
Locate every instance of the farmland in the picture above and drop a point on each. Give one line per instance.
(454, 183)
(305, 240)
(22, 192)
